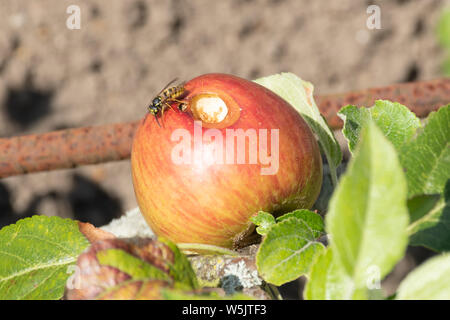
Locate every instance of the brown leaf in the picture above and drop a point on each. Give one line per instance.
(137, 290)
(92, 280)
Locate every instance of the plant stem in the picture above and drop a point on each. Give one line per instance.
(195, 247)
(274, 291)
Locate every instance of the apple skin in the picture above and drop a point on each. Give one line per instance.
(212, 204)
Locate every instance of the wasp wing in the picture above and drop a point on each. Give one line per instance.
(167, 85)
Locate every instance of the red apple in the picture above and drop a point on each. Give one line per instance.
(193, 185)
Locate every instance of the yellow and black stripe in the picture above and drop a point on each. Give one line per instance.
(172, 92)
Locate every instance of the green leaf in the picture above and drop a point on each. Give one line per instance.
(421, 205)
(430, 281)
(433, 229)
(264, 222)
(35, 255)
(311, 219)
(135, 267)
(299, 94)
(396, 121)
(287, 251)
(327, 280)
(426, 159)
(181, 270)
(368, 217)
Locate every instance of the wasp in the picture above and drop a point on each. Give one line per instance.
(165, 97)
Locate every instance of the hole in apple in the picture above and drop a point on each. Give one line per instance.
(213, 110)
(210, 108)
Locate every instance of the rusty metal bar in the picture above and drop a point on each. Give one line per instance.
(65, 148)
(420, 97)
(81, 146)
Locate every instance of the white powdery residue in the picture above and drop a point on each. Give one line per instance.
(132, 224)
(247, 278)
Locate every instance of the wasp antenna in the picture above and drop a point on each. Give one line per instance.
(156, 118)
(162, 116)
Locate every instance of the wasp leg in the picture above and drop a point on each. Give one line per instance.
(176, 100)
(180, 103)
(167, 104)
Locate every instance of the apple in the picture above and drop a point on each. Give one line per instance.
(235, 149)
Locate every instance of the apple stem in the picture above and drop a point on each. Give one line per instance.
(194, 248)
